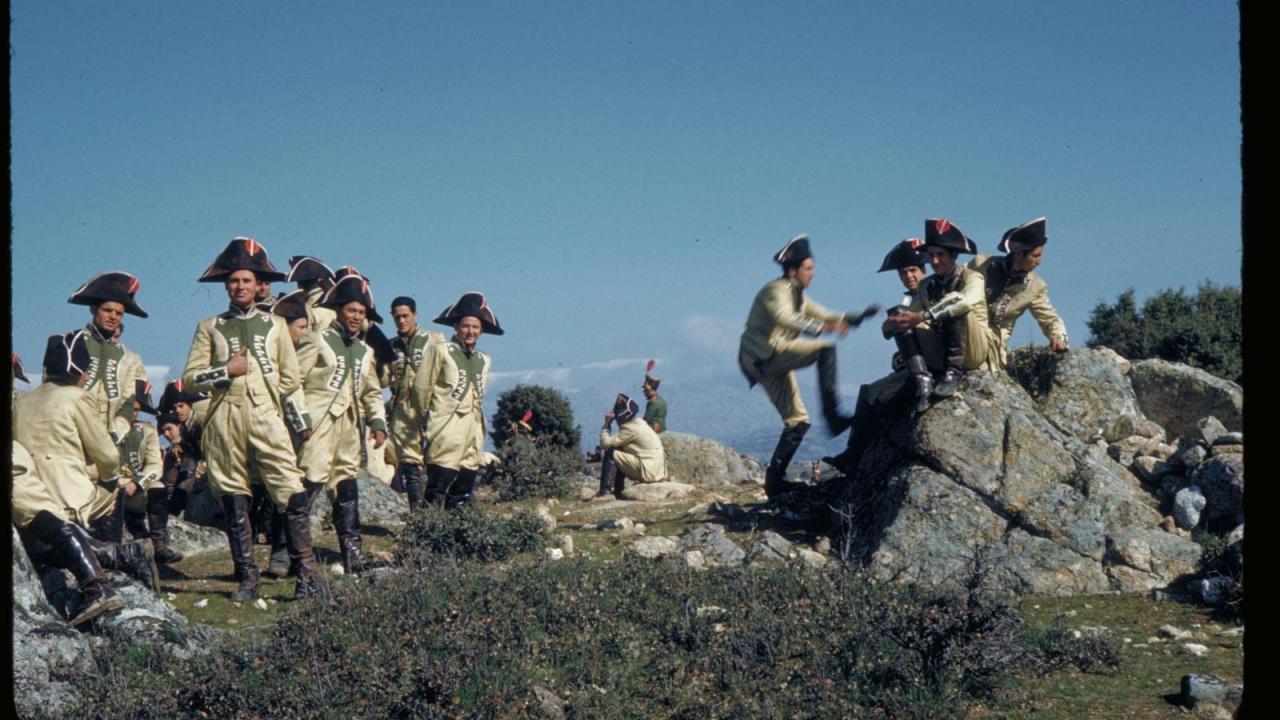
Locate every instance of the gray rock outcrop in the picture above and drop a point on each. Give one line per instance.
(1085, 392)
(700, 461)
(1177, 396)
(379, 504)
(1221, 479)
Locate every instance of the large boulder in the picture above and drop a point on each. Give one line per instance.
(1221, 479)
(379, 504)
(984, 472)
(190, 539)
(699, 461)
(1085, 392)
(1177, 396)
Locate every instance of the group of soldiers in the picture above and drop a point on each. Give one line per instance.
(957, 320)
(280, 397)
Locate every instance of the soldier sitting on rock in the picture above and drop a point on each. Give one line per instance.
(1013, 288)
(635, 452)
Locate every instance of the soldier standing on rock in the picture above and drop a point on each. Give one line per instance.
(410, 347)
(245, 358)
(635, 452)
(1013, 288)
(771, 350)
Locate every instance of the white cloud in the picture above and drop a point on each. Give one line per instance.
(560, 377)
(157, 375)
(711, 333)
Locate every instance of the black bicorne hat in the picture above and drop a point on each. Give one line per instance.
(1027, 236)
(939, 232)
(908, 253)
(346, 271)
(66, 357)
(624, 408)
(794, 252)
(383, 351)
(291, 305)
(472, 304)
(242, 254)
(351, 288)
(168, 416)
(142, 393)
(174, 393)
(18, 373)
(114, 286)
(305, 267)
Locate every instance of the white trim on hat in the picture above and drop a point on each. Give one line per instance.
(778, 257)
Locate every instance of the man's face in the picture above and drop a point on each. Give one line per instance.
(242, 287)
(1029, 260)
(648, 392)
(183, 410)
(803, 273)
(352, 316)
(406, 319)
(941, 260)
(172, 432)
(297, 328)
(263, 291)
(107, 316)
(468, 329)
(911, 276)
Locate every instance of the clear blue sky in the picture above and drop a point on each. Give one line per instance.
(614, 175)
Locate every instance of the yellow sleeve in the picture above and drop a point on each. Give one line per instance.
(286, 359)
(777, 302)
(610, 441)
(1050, 322)
(98, 448)
(425, 381)
(201, 374)
(371, 397)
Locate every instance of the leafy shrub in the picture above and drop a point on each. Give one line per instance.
(1220, 560)
(471, 533)
(1203, 330)
(552, 420)
(533, 469)
(1057, 648)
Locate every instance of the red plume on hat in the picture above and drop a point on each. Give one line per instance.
(524, 420)
(114, 286)
(908, 253)
(649, 380)
(941, 232)
(471, 304)
(242, 253)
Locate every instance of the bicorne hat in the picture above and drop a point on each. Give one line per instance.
(114, 286)
(939, 232)
(624, 408)
(66, 357)
(347, 271)
(383, 350)
(305, 267)
(242, 254)
(291, 305)
(142, 393)
(472, 304)
(168, 416)
(794, 252)
(351, 288)
(1027, 236)
(649, 380)
(908, 253)
(174, 393)
(18, 372)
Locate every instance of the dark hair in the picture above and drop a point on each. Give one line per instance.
(404, 300)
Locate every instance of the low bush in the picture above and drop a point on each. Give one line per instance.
(1220, 560)
(536, 470)
(1058, 647)
(470, 533)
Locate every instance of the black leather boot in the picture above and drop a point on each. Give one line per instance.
(280, 565)
(135, 559)
(298, 537)
(158, 525)
(924, 381)
(346, 522)
(956, 336)
(67, 551)
(775, 475)
(110, 527)
(439, 480)
(607, 472)
(460, 490)
(619, 482)
(829, 390)
(240, 538)
(136, 523)
(415, 485)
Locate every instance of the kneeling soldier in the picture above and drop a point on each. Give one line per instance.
(635, 452)
(342, 395)
(245, 359)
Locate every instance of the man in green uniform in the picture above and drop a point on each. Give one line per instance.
(343, 395)
(449, 393)
(410, 347)
(655, 408)
(245, 359)
(771, 349)
(944, 326)
(113, 369)
(635, 452)
(1013, 288)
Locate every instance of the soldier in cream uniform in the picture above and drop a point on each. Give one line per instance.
(113, 368)
(314, 279)
(635, 452)
(1014, 288)
(342, 393)
(449, 392)
(410, 345)
(245, 359)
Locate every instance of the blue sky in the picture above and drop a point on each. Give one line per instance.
(615, 176)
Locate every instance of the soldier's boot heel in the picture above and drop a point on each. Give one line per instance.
(947, 386)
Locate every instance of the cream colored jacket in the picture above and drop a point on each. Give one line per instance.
(636, 438)
(1007, 302)
(331, 387)
(779, 313)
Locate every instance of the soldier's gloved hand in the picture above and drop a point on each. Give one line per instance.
(1058, 345)
(856, 319)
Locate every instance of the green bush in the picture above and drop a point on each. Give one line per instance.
(1057, 648)
(536, 470)
(471, 533)
(1203, 330)
(1220, 560)
(552, 420)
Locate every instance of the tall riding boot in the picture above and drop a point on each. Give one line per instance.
(460, 490)
(829, 389)
(66, 551)
(956, 333)
(415, 485)
(775, 475)
(158, 524)
(298, 536)
(607, 471)
(136, 559)
(261, 508)
(240, 538)
(924, 381)
(346, 522)
(619, 482)
(439, 479)
(136, 523)
(110, 527)
(280, 565)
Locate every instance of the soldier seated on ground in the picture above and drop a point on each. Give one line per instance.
(635, 452)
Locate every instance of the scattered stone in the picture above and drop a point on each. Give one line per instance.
(811, 558)
(566, 543)
(170, 596)
(260, 603)
(1173, 633)
(1233, 632)
(1213, 591)
(1124, 457)
(1187, 505)
(189, 538)
(1149, 429)
(654, 492)
(1209, 429)
(1177, 396)
(549, 706)
(1195, 649)
(1190, 454)
(653, 547)
(1163, 451)
(639, 528)
(1149, 469)
(1229, 438)
(716, 547)
(202, 602)
(1221, 479)
(1236, 535)
(586, 493)
(619, 523)
(1154, 640)
(705, 610)
(823, 545)
(379, 504)
(1094, 631)
(770, 547)
(337, 570)
(555, 553)
(544, 512)
(695, 560)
